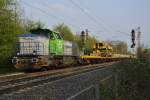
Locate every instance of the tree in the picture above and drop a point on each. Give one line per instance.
(119, 46)
(67, 34)
(90, 41)
(147, 52)
(143, 52)
(30, 24)
(65, 31)
(9, 28)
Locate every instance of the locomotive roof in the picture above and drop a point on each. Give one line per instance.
(27, 35)
(37, 32)
(41, 32)
(31, 35)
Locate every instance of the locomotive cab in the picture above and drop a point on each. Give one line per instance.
(35, 50)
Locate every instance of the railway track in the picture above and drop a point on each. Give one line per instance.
(10, 76)
(25, 81)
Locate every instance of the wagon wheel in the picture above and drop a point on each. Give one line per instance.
(44, 69)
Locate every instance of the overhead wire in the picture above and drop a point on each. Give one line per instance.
(84, 24)
(60, 19)
(47, 6)
(95, 16)
(48, 14)
(41, 10)
(124, 33)
(97, 19)
(89, 15)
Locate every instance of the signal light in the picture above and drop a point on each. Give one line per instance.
(133, 35)
(133, 38)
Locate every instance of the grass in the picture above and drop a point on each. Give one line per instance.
(134, 80)
(7, 69)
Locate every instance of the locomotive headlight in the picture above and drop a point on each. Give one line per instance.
(34, 53)
(18, 53)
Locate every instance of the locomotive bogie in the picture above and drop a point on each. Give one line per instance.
(30, 63)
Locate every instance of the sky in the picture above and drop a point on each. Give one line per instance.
(105, 19)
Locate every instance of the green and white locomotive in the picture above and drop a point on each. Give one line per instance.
(43, 49)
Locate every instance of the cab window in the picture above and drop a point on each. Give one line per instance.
(58, 36)
(52, 36)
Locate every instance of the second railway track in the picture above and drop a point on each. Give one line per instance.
(35, 79)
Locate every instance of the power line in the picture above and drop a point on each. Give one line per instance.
(89, 15)
(45, 4)
(43, 11)
(96, 19)
(48, 14)
(124, 33)
(58, 18)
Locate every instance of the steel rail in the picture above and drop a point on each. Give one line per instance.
(10, 86)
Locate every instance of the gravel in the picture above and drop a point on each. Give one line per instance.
(63, 89)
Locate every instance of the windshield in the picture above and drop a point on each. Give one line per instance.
(58, 36)
(52, 36)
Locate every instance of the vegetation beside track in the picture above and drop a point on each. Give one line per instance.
(131, 81)
(7, 69)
